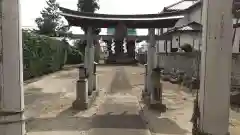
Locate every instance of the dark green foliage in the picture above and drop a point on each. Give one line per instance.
(174, 49)
(90, 6)
(42, 54)
(80, 45)
(50, 22)
(74, 56)
(187, 48)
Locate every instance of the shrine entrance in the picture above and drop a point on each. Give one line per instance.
(120, 50)
(120, 45)
(215, 69)
(121, 23)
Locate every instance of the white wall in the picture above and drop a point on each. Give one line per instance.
(193, 39)
(188, 38)
(195, 16)
(236, 41)
(187, 62)
(183, 21)
(161, 46)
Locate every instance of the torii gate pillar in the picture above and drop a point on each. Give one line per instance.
(89, 59)
(11, 70)
(86, 90)
(216, 66)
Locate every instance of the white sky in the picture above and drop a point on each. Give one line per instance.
(31, 9)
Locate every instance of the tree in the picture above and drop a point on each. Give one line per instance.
(80, 45)
(187, 47)
(89, 6)
(50, 22)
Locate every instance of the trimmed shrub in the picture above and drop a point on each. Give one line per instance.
(74, 56)
(42, 54)
(187, 47)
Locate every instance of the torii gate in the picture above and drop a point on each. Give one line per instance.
(215, 68)
(121, 23)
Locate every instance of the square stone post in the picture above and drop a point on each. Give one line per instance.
(216, 66)
(145, 77)
(86, 58)
(97, 51)
(81, 101)
(90, 60)
(145, 93)
(11, 70)
(150, 61)
(95, 79)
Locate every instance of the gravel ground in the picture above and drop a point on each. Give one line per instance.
(118, 109)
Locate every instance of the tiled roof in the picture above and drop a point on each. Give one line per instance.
(185, 5)
(185, 28)
(193, 26)
(181, 5)
(162, 20)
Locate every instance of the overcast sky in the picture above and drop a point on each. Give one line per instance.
(31, 9)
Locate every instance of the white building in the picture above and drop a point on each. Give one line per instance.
(188, 29)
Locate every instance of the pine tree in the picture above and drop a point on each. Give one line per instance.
(50, 22)
(89, 6)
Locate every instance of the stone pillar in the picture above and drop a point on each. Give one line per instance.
(11, 70)
(81, 101)
(95, 79)
(216, 66)
(150, 61)
(86, 58)
(97, 51)
(118, 48)
(156, 98)
(145, 78)
(157, 50)
(109, 42)
(131, 49)
(90, 60)
(160, 32)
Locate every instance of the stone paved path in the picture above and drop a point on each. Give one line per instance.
(48, 103)
(49, 106)
(119, 114)
(117, 111)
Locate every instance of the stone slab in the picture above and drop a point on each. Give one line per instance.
(158, 106)
(80, 105)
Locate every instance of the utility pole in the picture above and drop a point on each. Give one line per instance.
(11, 70)
(216, 61)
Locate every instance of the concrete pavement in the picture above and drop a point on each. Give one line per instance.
(118, 109)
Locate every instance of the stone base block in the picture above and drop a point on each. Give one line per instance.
(81, 94)
(92, 98)
(158, 106)
(82, 89)
(144, 94)
(12, 123)
(165, 77)
(81, 105)
(95, 82)
(146, 98)
(155, 105)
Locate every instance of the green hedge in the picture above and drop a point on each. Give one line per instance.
(42, 55)
(74, 56)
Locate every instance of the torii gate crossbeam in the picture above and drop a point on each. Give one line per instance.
(109, 37)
